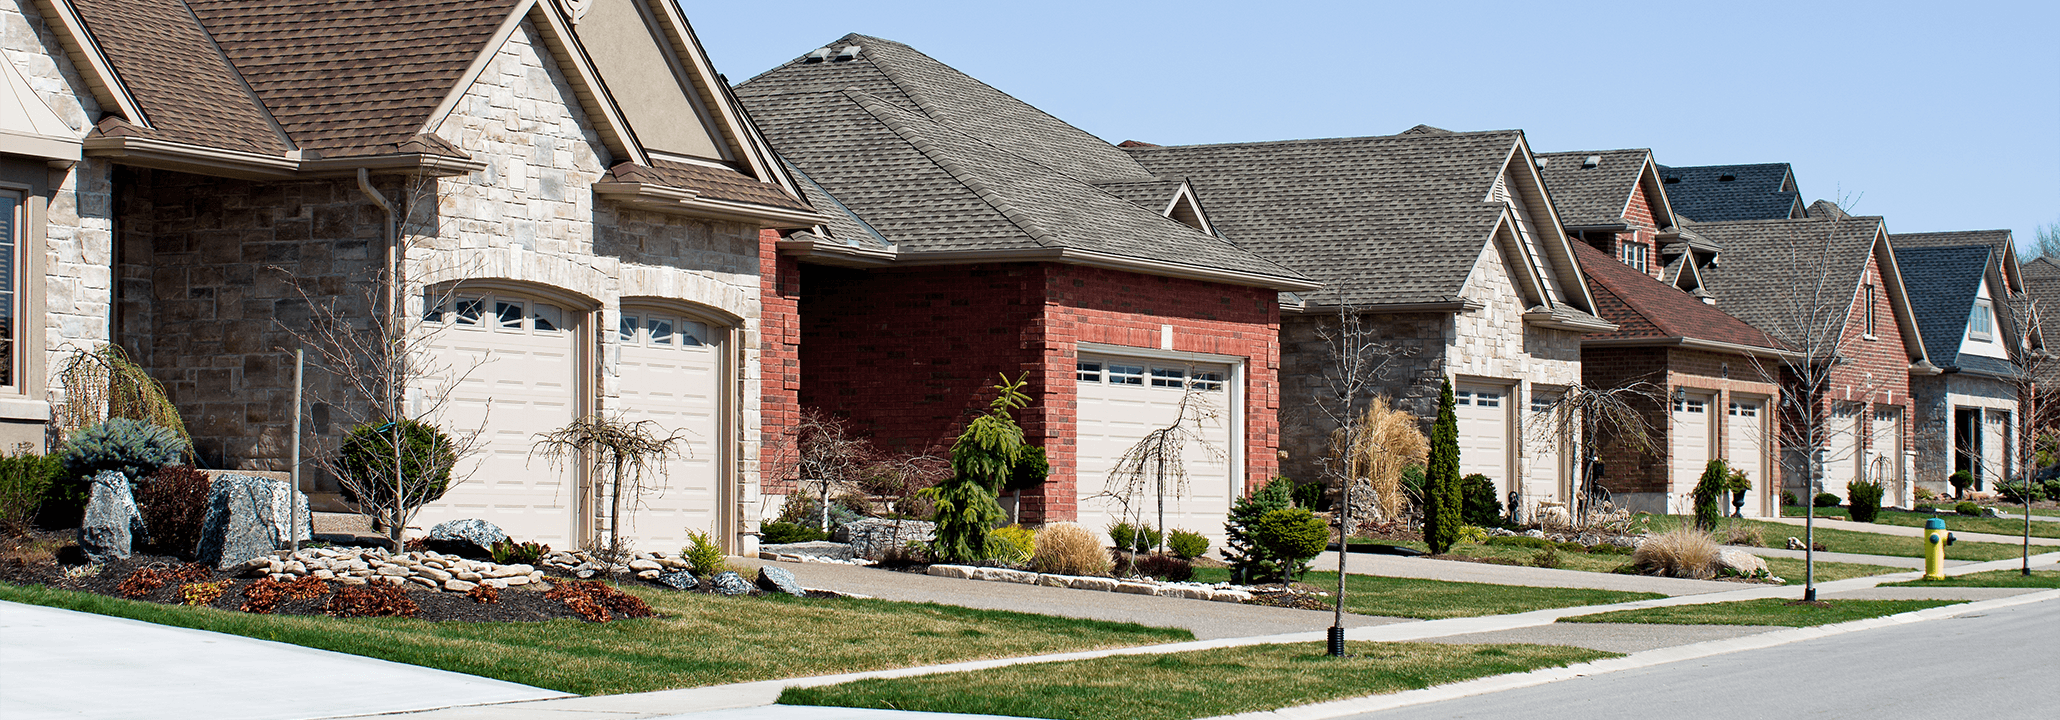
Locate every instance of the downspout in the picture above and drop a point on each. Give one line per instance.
(392, 326)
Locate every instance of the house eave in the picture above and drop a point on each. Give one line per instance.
(1455, 306)
(41, 147)
(834, 254)
(1571, 323)
(216, 162)
(681, 201)
(1696, 344)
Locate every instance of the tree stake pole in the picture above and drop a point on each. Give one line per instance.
(293, 471)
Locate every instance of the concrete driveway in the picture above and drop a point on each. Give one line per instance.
(63, 664)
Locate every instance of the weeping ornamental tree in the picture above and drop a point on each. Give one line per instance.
(1441, 480)
(981, 462)
(631, 451)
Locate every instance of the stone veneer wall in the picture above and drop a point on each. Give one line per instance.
(1933, 399)
(78, 283)
(1495, 343)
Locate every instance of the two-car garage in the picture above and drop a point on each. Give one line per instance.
(512, 366)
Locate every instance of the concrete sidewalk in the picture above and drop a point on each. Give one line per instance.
(1963, 536)
(1492, 574)
(64, 664)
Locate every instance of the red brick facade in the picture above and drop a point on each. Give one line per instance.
(1728, 376)
(1644, 233)
(908, 354)
(1878, 373)
(779, 357)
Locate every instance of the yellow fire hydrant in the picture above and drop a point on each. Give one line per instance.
(1935, 537)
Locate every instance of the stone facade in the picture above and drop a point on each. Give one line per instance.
(1936, 400)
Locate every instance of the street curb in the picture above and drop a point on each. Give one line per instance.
(1648, 658)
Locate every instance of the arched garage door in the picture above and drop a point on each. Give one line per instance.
(673, 374)
(1121, 400)
(507, 366)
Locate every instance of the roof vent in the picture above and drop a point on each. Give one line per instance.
(1591, 161)
(820, 55)
(848, 52)
(1671, 181)
(1542, 162)
(1726, 178)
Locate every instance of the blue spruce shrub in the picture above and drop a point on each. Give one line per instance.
(133, 448)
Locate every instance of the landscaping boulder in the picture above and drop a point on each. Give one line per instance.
(247, 517)
(773, 579)
(112, 522)
(817, 549)
(469, 537)
(730, 583)
(873, 538)
(679, 580)
(1741, 562)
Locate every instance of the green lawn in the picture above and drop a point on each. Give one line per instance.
(1992, 579)
(1954, 522)
(1785, 568)
(1435, 599)
(1852, 541)
(1192, 684)
(1771, 611)
(704, 640)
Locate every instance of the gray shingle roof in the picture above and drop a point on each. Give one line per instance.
(1998, 239)
(1153, 195)
(898, 173)
(1597, 195)
(1379, 220)
(1942, 283)
(1754, 193)
(1775, 270)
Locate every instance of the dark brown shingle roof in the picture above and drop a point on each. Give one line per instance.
(1647, 309)
(188, 93)
(350, 77)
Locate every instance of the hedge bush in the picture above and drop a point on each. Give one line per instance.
(1293, 535)
(427, 456)
(1187, 545)
(1967, 508)
(1482, 507)
(781, 533)
(1864, 500)
(24, 481)
(1248, 560)
(1826, 499)
(1126, 537)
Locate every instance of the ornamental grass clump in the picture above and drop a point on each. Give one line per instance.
(1683, 552)
(1069, 549)
(1012, 545)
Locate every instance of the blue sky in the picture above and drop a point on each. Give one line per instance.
(1939, 116)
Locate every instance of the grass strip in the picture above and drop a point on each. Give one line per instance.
(704, 640)
(1769, 611)
(1850, 541)
(1954, 522)
(1791, 569)
(1438, 599)
(1991, 579)
(1196, 684)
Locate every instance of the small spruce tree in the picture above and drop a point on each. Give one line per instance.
(1248, 561)
(1708, 494)
(983, 459)
(1443, 506)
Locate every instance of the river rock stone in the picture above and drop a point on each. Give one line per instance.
(470, 537)
(873, 538)
(679, 580)
(817, 549)
(112, 522)
(730, 583)
(247, 517)
(641, 565)
(773, 579)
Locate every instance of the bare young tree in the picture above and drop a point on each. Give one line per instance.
(1359, 364)
(1155, 465)
(2023, 314)
(1586, 419)
(632, 451)
(377, 354)
(821, 447)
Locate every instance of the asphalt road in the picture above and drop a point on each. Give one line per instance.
(1998, 664)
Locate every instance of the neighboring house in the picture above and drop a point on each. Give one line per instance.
(1968, 416)
(1831, 270)
(971, 236)
(576, 199)
(1448, 245)
(1726, 193)
(1614, 201)
(1718, 374)
(2042, 289)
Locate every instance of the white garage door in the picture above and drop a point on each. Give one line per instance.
(1483, 414)
(1995, 446)
(515, 374)
(1885, 453)
(1841, 450)
(1546, 467)
(672, 375)
(1123, 400)
(1690, 440)
(1746, 443)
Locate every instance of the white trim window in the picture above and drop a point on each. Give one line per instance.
(1088, 371)
(494, 313)
(1635, 254)
(1981, 324)
(1120, 374)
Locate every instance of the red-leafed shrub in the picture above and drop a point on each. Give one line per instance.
(262, 596)
(376, 599)
(173, 502)
(484, 594)
(598, 601)
(146, 580)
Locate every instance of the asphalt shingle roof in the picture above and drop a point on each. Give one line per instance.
(1942, 283)
(871, 134)
(1775, 271)
(1754, 192)
(1645, 308)
(1379, 220)
(351, 77)
(187, 91)
(1597, 195)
